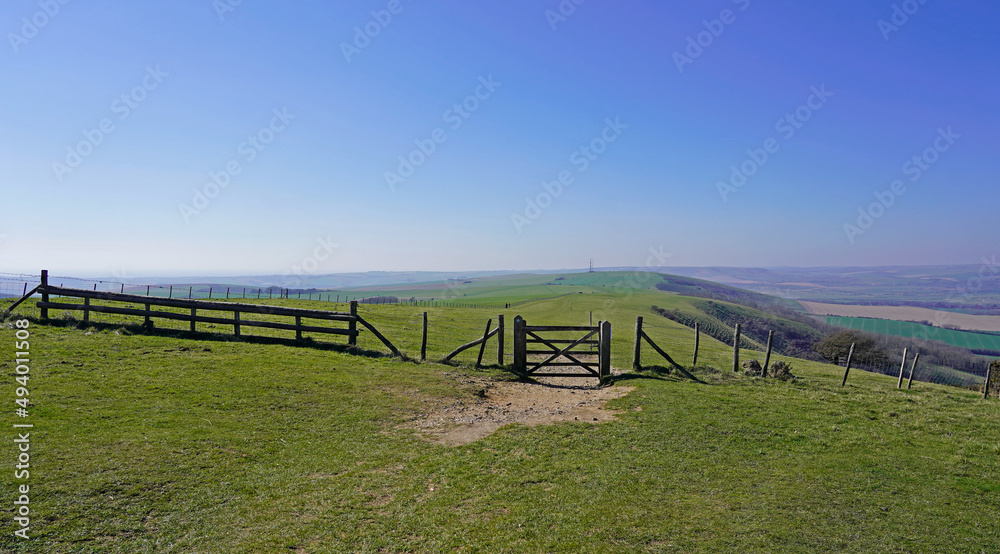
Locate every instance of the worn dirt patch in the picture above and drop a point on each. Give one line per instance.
(549, 400)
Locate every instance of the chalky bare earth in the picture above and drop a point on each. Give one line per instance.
(499, 403)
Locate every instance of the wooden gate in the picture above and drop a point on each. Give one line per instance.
(563, 352)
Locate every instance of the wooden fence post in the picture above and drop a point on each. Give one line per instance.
(298, 327)
(170, 293)
(148, 323)
(767, 357)
(736, 349)
(123, 288)
(520, 345)
(352, 339)
(147, 290)
(209, 293)
(236, 323)
(227, 293)
(604, 365)
(989, 376)
(902, 366)
(912, 369)
(86, 310)
(500, 331)
(636, 361)
(482, 345)
(45, 292)
(423, 340)
(697, 338)
(850, 356)
(190, 290)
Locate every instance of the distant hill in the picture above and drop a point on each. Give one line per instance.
(708, 289)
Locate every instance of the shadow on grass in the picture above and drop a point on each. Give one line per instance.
(658, 373)
(508, 370)
(142, 330)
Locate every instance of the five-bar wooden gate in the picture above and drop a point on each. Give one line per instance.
(528, 340)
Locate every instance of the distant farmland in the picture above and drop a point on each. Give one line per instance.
(978, 342)
(907, 313)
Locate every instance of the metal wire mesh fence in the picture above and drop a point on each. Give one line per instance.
(919, 365)
(16, 285)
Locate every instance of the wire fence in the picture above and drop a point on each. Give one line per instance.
(16, 285)
(914, 368)
(913, 360)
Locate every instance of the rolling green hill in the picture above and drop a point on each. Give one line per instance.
(172, 441)
(718, 319)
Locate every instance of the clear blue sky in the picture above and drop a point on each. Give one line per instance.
(180, 88)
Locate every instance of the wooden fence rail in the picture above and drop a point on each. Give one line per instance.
(481, 342)
(641, 335)
(351, 318)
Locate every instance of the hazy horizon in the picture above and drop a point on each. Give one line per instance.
(485, 272)
(240, 138)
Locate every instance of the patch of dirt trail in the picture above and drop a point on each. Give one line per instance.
(499, 403)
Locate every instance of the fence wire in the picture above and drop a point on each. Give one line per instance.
(16, 285)
(893, 365)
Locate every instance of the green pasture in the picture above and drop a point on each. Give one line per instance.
(177, 442)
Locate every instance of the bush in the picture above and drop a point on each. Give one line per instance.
(752, 367)
(781, 370)
(994, 379)
(835, 347)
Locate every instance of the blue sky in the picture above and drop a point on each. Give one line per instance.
(122, 120)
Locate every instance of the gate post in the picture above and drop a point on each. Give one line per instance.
(636, 363)
(500, 332)
(520, 345)
(604, 350)
(45, 293)
(352, 339)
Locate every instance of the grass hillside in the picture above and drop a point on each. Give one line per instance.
(178, 442)
(718, 320)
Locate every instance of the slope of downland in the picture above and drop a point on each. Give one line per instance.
(203, 443)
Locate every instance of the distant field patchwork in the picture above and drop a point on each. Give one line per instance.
(963, 339)
(939, 318)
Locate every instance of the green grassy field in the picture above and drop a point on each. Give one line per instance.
(177, 442)
(963, 339)
(514, 288)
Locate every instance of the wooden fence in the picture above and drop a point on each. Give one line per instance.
(351, 318)
(481, 342)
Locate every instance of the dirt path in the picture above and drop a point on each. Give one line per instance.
(551, 400)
